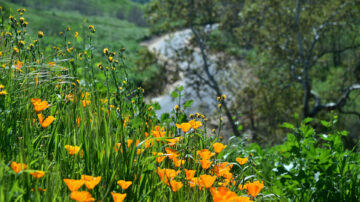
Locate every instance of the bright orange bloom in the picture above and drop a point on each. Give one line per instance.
(72, 149)
(85, 103)
(74, 185)
(149, 143)
(160, 157)
(124, 184)
(189, 174)
(37, 174)
(81, 196)
(90, 181)
(175, 185)
(242, 161)
(52, 64)
(158, 132)
(139, 151)
(221, 169)
(118, 197)
(178, 162)
(40, 117)
(205, 154)
(254, 188)
(47, 121)
(17, 167)
(205, 164)
(39, 105)
(207, 180)
(185, 127)
(223, 194)
(218, 147)
(172, 153)
(194, 181)
(173, 141)
(167, 174)
(195, 124)
(242, 187)
(129, 142)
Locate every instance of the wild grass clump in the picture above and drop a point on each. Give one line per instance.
(65, 135)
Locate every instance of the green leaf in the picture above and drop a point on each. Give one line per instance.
(188, 104)
(288, 125)
(325, 123)
(240, 127)
(174, 94)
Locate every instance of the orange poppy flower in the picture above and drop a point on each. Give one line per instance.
(178, 162)
(173, 141)
(167, 174)
(205, 154)
(172, 153)
(193, 181)
(39, 105)
(207, 180)
(37, 174)
(124, 184)
(158, 132)
(175, 185)
(189, 174)
(254, 188)
(85, 103)
(74, 185)
(47, 121)
(118, 197)
(81, 196)
(242, 187)
(223, 194)
(242, 161)
(218, 147)
(17, 167)
(129, 142)
(205, 164)
(40, 117)
(160, 157)
(149, 143)
(72, 149)
(222, 169)
(195, 124)
(90, 181)
(185, 127)
(139, 151)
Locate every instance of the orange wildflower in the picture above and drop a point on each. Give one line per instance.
(195, 124)
(118, 197)
(74, 185)
(175, 185)
(158, 132)
(207, 180)
(254, 188)
(172, 153)
(85, 103)
(17, 167)
(129, 142)
(178, 162)
(40, 117)
(47, 121)
(160, 157)
(185, 127)
(242, 187)
(189, 174)
(39, 105)
(81, 196)
(218, 147)
(223, 194)
(37, 174)
(221, 169)
(167, 174)
(205, 154)
(124, 184)
(72, 149)
(90, 181)
(205, 164)
(173, 141)
(52, 64)
(149, 143)
(242, 161)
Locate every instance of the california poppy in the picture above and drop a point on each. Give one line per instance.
(74, 185)
(185, 127)
(39, 105)
(172, 153)
(90, 181)
(118, 197)
(254, 188)
(205, 164)
(242, 161)
(160, 157)
(178, 162)
(218, 147)
(207, 180)
(17, 167)
(47, 121)
(189, 174)
(205, 154)
(37, 174)
(175, 185)
(81, 196)
(72, 149)
(124, 184)
(195, 124)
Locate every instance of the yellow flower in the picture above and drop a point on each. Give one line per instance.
(195, 124)
(124, 184)
(81, 196)
(118, 197)
(72, 149)
(40, 34)
(17, 167)
(76, 35)
(16, 50)
(3, 92)
(0, 53)
(242, 161)
(185, 127)
(218, 147)
(37, 174)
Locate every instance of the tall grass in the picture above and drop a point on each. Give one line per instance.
(113, 132)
